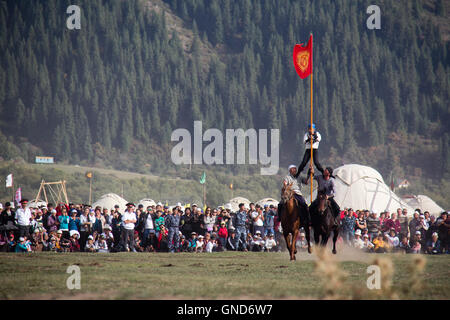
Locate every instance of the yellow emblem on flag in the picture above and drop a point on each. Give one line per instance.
(303, 60)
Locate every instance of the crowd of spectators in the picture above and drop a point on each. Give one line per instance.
(396, 232)
(158, 228)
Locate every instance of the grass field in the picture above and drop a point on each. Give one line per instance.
(227, 275)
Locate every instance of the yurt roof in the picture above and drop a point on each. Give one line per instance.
(109, 200)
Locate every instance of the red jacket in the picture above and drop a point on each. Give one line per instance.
(223, 232)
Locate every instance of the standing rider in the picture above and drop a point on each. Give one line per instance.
(326, 187)
(292, 178)
(316, 137)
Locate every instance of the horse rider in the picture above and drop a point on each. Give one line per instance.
(316, 137)
(239, 222)
(292, 177)
(326, 187)
(173, 223)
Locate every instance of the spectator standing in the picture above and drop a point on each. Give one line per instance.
(348, 227)
(209, 220)
(361, 223)
(64, 223)
(173, 224)
(258, 220)
(404, 222)
(269, 217)
(23, 217)
(85, 228)
(373, 225)
(128, 224)
(8, 218)
(414, 226)
(240, 220)
(149, 227)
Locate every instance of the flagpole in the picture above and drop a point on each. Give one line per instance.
(311, 95)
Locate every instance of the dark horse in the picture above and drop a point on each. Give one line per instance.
(291, 221)
(323, 222)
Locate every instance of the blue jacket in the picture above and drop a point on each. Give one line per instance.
(240, 219)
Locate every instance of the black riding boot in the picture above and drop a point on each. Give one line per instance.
(279, 211)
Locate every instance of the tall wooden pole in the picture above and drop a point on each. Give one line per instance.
(90, 191)
(204, 195)
(311, 94)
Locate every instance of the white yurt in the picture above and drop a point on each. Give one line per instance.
(362, 187)
(268, 201)
(36, 204)
(109, 200)
(235, 203)
(423, 203)
(146, 203)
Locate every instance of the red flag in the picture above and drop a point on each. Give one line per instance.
(303, 58)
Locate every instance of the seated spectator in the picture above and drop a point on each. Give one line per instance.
(163, 244)
(74, 244)
(90, 246)
(21, 245)
(416, 248)
(434, 245)
(52, 245)
(138, 244)
(199, 244)
(368, 246)
(192, 242)
(270, 244)
(231, 241)
(101, 245)
(184, 244)
(393, 240)
(301, 243)
(404, 245)
(380, 246)
(257, 243)
(358, 242)
(211, 245)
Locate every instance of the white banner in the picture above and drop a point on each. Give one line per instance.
(9, 180)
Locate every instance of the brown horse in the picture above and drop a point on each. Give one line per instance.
(290, 220)
(323, 222)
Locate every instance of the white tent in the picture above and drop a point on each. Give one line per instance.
(268, 201)
(235, 203)
(424, 203)
(147, 202)
(109, 200)
(361, 187)
(36, 204)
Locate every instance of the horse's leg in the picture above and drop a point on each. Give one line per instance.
(307, 234)
(324, 240)
(335, 236)
(286, 238)
(316, 237)
(294, 240)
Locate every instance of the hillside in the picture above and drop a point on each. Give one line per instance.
(110, 95)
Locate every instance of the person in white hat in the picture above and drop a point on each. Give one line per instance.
(90, 245)
(357, 241)
(434, 245)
